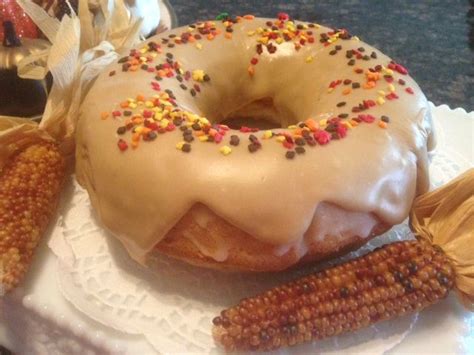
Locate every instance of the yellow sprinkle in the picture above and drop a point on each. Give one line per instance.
(292, 126)
(391, 87)
(203, 138)
(323, 122)
(226, 150)
(158, 116)
(380, 100)
(149, 104)
(198, 75)
(267, 134)
(143, 50)
(154, 55)
(309, 59)
(204, 121)
(355, 38)
(199, 46)
(132, 105)
(381, 92)
(263, 40)
(179, 146)
(389, 71)
(280, 139)
(279, 40)
(330, 90)
(250, 33)
(164, 122)
(260, 30)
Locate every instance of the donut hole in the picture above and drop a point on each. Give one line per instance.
(261, 113)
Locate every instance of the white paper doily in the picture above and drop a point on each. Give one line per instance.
(173, 305)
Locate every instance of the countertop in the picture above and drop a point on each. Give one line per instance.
(434, 39)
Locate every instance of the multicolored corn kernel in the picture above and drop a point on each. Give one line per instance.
(30, 184)
(388, 282)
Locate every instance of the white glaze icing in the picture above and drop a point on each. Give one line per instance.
(141, 194)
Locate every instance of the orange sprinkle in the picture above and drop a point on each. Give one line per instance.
(210, 36)
(136, 137)
(251, 70)
(354, 123)
(382, 124)
(369, 85)
(124, 104)
(191, 39)
(311, 123)
(140, 97)
(199, 133)
(298, 132)
(228, 35)
(133, 68)
(346, 91)
(249, 17)
(373, 76)
(104, 115)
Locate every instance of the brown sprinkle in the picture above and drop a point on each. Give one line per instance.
(234, 140)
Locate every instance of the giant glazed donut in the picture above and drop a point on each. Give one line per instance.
(252, 144)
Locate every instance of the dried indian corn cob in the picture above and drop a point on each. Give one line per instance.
(30, 183)
(388, 282)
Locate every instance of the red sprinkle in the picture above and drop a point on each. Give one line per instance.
(409, 90)
(322, 137)
(288, 144)
(283, 16)
(366, 118)
(341, 131)
(123, 146)
(335, 83)
(401, 69)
